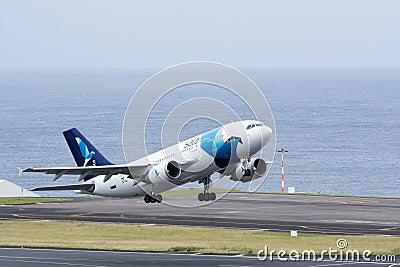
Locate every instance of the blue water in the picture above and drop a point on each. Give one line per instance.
(341, 126)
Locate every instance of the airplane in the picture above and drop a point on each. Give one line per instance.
(226, 149)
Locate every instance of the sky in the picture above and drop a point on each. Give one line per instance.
(117, 35)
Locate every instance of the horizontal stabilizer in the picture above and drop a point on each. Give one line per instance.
(86, 187)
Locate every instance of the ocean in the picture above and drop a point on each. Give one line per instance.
(341, 127)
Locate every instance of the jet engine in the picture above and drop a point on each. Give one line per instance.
(245, 172)
(168, 170)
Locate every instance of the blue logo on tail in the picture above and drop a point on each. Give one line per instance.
(84, 151)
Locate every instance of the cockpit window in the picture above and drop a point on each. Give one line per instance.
(254, 125)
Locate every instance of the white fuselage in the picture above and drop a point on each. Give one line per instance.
(199, 157)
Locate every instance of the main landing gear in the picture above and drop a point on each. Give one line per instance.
(206, 196)
(156, 198)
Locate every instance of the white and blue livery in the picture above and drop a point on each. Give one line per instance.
(227, 150)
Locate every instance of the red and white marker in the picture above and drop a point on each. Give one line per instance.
(283, 150)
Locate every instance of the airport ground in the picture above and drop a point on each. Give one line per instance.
(268, 212)
(365, 223)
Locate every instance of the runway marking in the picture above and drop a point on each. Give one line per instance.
(124, 252)
(232, 265)
(388, 229)
(54, 258)
(358, 221)
(332, 230)
(128, 252)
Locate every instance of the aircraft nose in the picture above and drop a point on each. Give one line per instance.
(266, 134)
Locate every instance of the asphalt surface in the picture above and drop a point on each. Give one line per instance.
(274, 212)
(24, 257)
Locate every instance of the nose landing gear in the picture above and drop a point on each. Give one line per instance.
(206, 196)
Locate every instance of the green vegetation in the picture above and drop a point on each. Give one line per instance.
(108, 236)
(31, 200)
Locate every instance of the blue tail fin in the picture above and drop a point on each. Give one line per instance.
(85, 154)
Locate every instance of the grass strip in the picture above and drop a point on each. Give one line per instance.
(109, 236)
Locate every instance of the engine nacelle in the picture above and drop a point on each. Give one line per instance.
(255, 169)
(169, 171)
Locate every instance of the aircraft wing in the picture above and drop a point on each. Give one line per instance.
(137, 171)
(64, 187)
(108, 170)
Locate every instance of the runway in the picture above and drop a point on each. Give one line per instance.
(25, 257)
(273, 212)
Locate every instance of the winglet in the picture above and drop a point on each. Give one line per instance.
(20, 170)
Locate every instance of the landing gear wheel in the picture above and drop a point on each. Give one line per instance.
(200, 197)
(158, 198)
(206, 196)
(213, 196)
